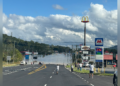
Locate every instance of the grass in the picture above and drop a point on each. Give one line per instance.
(5, 64)
(87, 71)
(103, 74)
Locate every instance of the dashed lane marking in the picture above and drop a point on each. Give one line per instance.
(50, 76)
(84, 79)
(45, 85)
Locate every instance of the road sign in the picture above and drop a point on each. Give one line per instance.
(35, 53)
(99, 54)
(8, 58)
(27, 57)
(85, 57)
(85, 47)
(99, 51)
(27, 53)
(98, 41)
(98, 60)
(35, 57)
(85, 52)
(85, 19)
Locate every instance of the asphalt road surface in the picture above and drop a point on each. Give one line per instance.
(40, 75)
(45, 75)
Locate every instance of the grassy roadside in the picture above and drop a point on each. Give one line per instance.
(87, 71)
(5, 64)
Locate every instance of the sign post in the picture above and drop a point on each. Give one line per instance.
(8, 58)
(85, 20)
(99, 51)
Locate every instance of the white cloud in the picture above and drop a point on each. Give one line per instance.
(6, 31)
(58, 7)
(58, 28)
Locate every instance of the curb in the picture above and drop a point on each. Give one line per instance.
(11, 66)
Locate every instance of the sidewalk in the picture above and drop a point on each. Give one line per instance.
(97, 80)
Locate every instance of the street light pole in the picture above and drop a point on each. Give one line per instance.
(85, 20)
(84, 34)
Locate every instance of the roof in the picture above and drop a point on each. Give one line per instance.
(108, 57)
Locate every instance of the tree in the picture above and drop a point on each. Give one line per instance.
(91, 62)
(79, 60)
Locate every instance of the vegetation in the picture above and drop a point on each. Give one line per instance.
(79, 60)
(87, 71)
(21, 45)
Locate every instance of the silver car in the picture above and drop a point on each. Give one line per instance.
(22, 63)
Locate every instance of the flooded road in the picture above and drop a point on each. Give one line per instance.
(55, 59)
(52, 59)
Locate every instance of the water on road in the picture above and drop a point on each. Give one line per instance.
(53, 59)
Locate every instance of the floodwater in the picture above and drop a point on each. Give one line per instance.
(55, 59)
(52, 59)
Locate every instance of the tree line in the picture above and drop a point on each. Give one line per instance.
(15, 45)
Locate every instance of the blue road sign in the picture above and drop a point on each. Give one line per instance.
(98, 60)
(27, 57)
(98, 41)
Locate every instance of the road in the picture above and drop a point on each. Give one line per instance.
(43, 76)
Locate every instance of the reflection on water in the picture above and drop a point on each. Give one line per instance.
(51, 59)
(55, 59)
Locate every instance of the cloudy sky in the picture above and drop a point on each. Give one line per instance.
(59, 21)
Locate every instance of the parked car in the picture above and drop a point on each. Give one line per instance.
(115, 79)
(22, 63)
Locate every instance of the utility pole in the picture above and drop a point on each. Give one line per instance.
(66, 54)
(14, 52)
(76, 55)
(72, 55)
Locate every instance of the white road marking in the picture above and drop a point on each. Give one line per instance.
(17, 70)
(6, 70)
(45, 85)
(83, 79)
(50, 76)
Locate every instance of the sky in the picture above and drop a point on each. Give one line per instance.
(58, 21)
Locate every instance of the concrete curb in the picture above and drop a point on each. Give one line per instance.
(11, 66)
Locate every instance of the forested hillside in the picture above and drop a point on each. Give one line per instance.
(21, 45)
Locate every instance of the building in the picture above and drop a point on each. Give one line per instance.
(108, 59)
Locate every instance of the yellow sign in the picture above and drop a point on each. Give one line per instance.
(85, 19)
